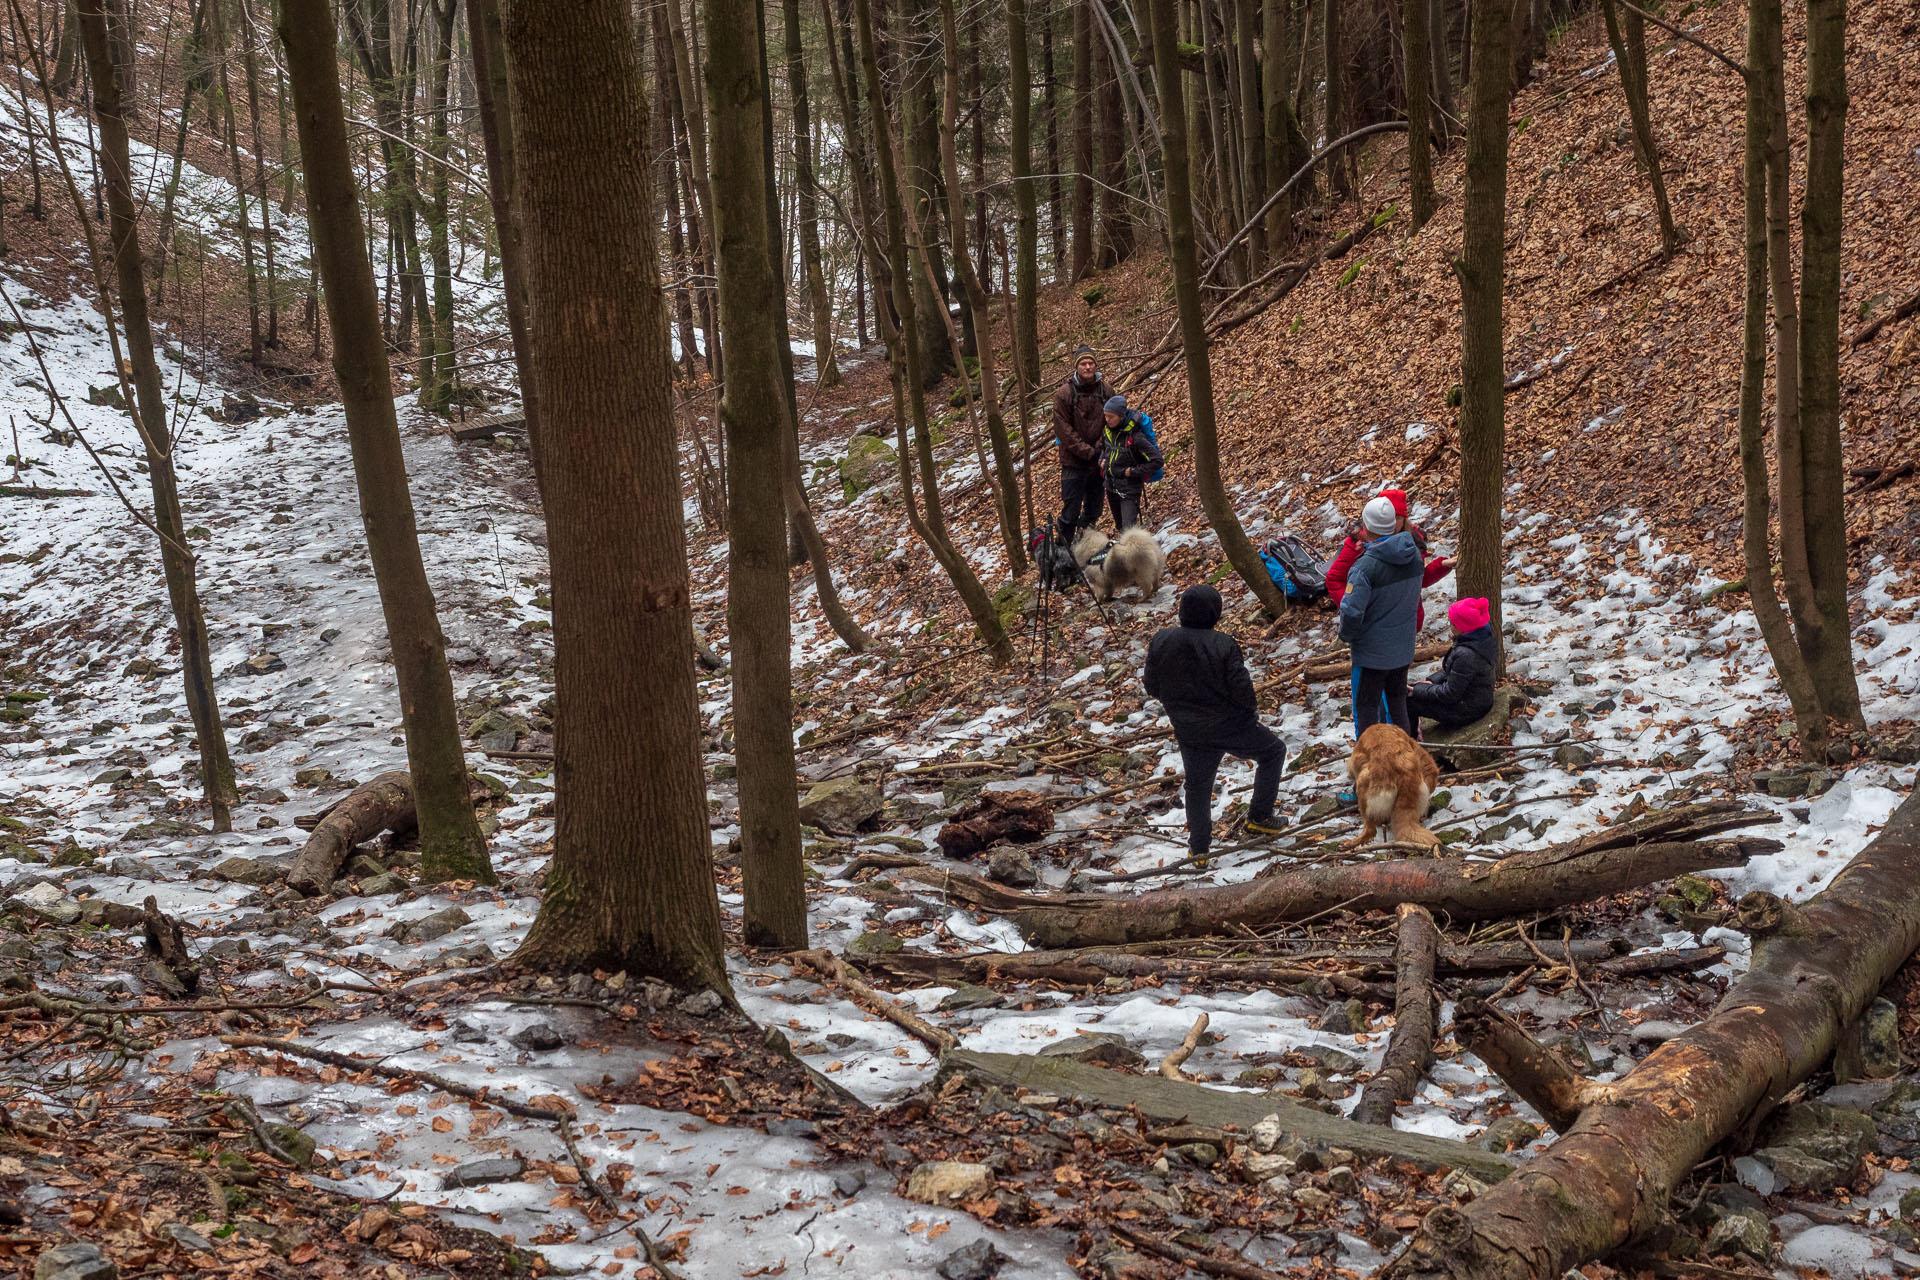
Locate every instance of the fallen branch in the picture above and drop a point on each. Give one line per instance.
(347, 1062)
(1607, 1179)
(1900, 312)
(385, 803)
(1655, 846)
(655, 1258)
(1213, 1264)
(1541, 1077)
(1410, 1048)
(1171, 1064)
(832, 968)
(35, 491)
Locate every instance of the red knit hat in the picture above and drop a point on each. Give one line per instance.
(1471, 614)
(1398, 497)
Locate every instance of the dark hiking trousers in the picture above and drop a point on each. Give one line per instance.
(1375, 682)
(1080, 490)
(1126, 511)
(1258, 744)
(1442, 711)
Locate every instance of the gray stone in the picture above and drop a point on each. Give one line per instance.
(261, 664)
(1343, 1019)
(977, 1261)
(476, 1173)
(1820, 1135)
(1742, 1232)
(538, 1038)
(1101, 1048)
(187, 1238)
(1898, 748)
(702, 1004)
(145, 668)
(1571, 755)
(438, 925)
(312, 776)
(361, 865)
(163, 979)
(131, 868)
(790, 1127)
(849, 1182)
(76, 1261)
(166, 829)
(46, 903)
(1012, 865)
(1203, 1154)
(107, 777)
(840, 805)
(1338, 1061)
(157, 717)
(1509, 1133)
(253, 871)
(869, 461)
(1324, 807)
(968, 996)
(382, 885)
(873, 943)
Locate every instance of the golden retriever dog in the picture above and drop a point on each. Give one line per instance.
(1393, 778)
(1134, 559)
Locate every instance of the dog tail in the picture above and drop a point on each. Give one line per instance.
(1376, 800)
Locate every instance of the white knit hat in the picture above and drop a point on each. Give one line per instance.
(1379, 517)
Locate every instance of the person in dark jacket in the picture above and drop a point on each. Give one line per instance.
(1378, 616)
(1128, 455)
(1462, 690)
(1355, 543)
(1200, 676)
(1079, 422)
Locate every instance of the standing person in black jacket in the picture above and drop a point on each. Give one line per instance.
(1128, 458)
(1200, 676)
(1079, 422)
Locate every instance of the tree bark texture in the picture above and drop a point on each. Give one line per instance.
(1541, 1077)
(1607, 1179)
(1025, 285)
(1415, 1007)
(1630, 56)
(1115, 239)
(753, 410)
(826, 367)
(1654, 847)
(383, 804)
(451, 846)
(150, 415)
(1414, 32)
(1082, 129)
(631, 883)
(1193, 324)
(1341, 173)
(1481, 268)
(1253, 124)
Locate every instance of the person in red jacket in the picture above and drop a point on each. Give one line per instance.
(1350, 551)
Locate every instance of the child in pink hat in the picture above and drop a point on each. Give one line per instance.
(1462, 690)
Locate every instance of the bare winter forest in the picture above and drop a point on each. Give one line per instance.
(960, 638)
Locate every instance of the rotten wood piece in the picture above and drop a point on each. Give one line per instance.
(1608, 1178)
(383, 804)
(1415, 1006)
(1161, 1099)
(996, 817)
(1091, 966)
(168, 943)
(1656, 846)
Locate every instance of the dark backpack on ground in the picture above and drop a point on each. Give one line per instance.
(1295, 567)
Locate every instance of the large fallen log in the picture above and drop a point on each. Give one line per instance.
(383, 804)
(1159, 1098)
(1410, 1048)
(1655, 846)
(1607, 1179)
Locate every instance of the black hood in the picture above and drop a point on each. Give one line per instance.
(1199, 607)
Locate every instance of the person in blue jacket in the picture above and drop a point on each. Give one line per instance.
(1379, 615)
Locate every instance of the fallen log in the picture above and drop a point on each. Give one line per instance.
(1183, 1101)
(383, 804)
(1410, 1048)
(1541, 1077)
(1655, 846)
(1607, 1179)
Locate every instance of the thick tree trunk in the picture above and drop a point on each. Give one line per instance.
(631, 883)
(1413, 26)
(920, 189)
(904, 351)
(1824, 628)
(383, 804)
(1609, 861)
(827, 369)
(1341, 172)
(1481, 268)
(1607, 1179)
(1415, 1007)
(451, 846)
(1630, 56)
(1115, 240)
(1193, 328)
(150, 414)
(1253, 125)
(753, 410)
(1082, 140)
(488, 47)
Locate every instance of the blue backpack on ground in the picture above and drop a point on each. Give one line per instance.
(1146, 424)
(1295, 568)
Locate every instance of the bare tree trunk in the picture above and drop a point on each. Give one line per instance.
(631, 883)
(1056, 200)
(230, 135)
(1193, 330)
(1253, 127)
(489, 51)
(693, 121)
(904, 339)
(1413, 25)
(1082, 140)
(451, 845)
(1439, 43)
(826, 368)
(149, 410)
(66, 58)
(1630, 55)
(1341, 171)
(193, 59)
(1481, 268)
(436, 387)
(920, 136)
(252, 68)
(753, 410)
(1115, 241)
(1607, 1178)
(1024, 287)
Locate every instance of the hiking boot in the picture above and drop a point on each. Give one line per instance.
(1269, 826)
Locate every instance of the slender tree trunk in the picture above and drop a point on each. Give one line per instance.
(1413, 23)
(1824, 629)
(1279, 129)
(1441, 97)
(827, 369)
(1115, 242)
(451, 845)
(1056, 188)
(1083, 260)
(1024, 287)
(753, 410)
(436, 389)
(150, 412)
(488, 47)
(66, 59)
(230, 134)
(1630, 55)
(904, 341)
(921, 188)
(1481, 268)
(1007, 487)
(1341, 168)
(1193, 329)
(1253, 126)
(1763, 30)
(631, 883)
(252, 67)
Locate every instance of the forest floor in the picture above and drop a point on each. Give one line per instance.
(727, 1151)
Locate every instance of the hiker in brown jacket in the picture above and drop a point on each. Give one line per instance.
(1079, 422)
